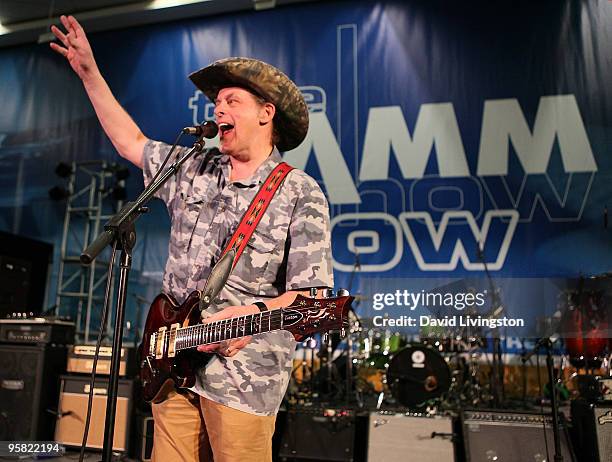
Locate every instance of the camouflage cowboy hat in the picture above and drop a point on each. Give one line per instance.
(266, 81)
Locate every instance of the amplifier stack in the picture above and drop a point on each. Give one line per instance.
(32, 356)
(74, 396)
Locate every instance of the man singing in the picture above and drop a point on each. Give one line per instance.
(229, 415)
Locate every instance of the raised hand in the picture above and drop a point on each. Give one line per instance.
(76, 48)
(123, 132)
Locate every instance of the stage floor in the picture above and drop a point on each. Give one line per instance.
(72, 455)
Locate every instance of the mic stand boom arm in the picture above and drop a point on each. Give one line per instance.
(120, 230)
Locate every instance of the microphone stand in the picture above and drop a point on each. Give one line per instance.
(120, 229)
(497, 366)
(547, 343)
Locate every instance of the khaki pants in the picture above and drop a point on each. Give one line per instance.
(198, 429)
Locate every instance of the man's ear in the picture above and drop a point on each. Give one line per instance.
(266, 114)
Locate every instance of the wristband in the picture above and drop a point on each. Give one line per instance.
(261, 305)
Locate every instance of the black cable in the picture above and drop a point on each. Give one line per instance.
(161, 167)
(92, 382)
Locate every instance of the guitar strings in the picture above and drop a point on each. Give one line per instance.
(218, 327)
(221, 326)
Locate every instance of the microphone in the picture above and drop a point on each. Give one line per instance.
(59, 413)
(542, 342)
(208, 129)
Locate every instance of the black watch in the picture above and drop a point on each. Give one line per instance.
(261, 305)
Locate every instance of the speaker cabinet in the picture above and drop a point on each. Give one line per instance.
(511, 437)
(392, 437)
(592, 430)
(318, 434)
(144, 436)
(29, 385)
(74, 394)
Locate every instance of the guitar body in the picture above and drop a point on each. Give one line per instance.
(160, 376)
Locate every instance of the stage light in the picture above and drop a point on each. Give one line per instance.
(58, 193)
(121, 172)
(63, 170)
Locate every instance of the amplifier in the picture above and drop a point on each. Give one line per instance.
(72, 410)
(605, 387)
(319, 434)
(29, 385)
(594, 388)
(592, 428)
(511, 437)
(36, 330)
(80, 360)
(393, 436)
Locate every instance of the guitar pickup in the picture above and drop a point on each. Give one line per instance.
(160, 342)
(172, 340)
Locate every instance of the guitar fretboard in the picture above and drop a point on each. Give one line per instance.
(227, 329)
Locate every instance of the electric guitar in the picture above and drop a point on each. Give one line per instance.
(167, 354)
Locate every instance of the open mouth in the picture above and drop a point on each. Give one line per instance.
(225, 128)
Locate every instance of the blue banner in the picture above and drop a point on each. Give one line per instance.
(451, 139)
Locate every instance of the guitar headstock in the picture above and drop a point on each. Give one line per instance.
(308, 316)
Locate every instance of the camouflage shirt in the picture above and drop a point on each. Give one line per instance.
(289, 250)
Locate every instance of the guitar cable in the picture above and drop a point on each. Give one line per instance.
(103, 321)
(161, 167)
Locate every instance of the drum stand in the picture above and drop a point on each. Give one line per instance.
(348, 392)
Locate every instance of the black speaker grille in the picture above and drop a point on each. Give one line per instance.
(29, 384)
(314, 435)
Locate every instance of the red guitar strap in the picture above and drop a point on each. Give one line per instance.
(256, 210)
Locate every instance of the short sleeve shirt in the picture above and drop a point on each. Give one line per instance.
(289, 250)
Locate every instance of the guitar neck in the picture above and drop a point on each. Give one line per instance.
(227, 329)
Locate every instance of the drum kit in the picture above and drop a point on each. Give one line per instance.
(438, 368)
(379, 367)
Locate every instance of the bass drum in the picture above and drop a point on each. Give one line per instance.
(417, 374)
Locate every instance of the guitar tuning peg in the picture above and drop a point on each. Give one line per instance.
(343, 332)
(325, 338)
(343, 293)
(328, 293)
(313, 291)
